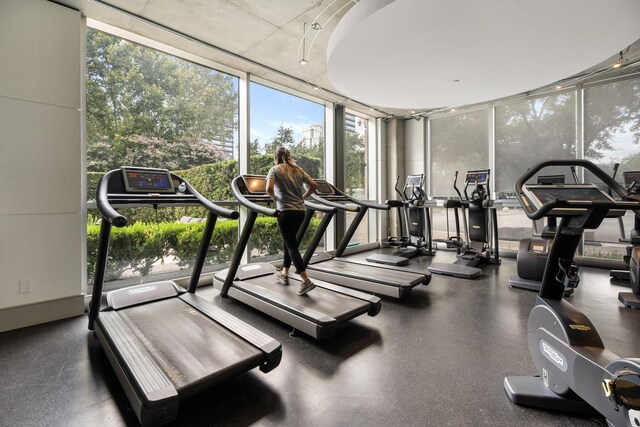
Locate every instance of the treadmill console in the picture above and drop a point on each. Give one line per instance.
(324, 188)
(255, 184)
(478, 177)
(147, 180)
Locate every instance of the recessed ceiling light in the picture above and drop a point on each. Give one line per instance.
(413, 111)
(617, 64)
(316, 88)
(303, 62)
(453, 110)
(558, 87)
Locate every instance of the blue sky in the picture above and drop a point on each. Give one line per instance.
(270, 108)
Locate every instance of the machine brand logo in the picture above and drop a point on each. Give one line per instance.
(553, 355)
(141, 290)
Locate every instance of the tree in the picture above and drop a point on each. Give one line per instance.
(283, 138)
(354, 162)
(137, 95)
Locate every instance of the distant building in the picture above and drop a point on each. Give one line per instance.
(349, 122)
(224, 147)
(312, 135)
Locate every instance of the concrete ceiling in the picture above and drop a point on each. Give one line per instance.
(261, 37)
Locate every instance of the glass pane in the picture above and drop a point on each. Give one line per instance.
(530, 131)
(280, 119)
(458, 143)
(147, 108)
(356, 171)
(612, 135)
(527, 132)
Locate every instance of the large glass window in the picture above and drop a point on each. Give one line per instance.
(356, 171)
(612, 135)
(459, 143)
(527, 132)
(280, 119)
(147, 108)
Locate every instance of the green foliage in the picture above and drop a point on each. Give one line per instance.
(138, 246)
(355, 162)
(260, 164)
(147, 108)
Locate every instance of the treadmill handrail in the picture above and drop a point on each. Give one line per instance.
(320, 207)
(248, 203)
(103, 200)
(337, 205)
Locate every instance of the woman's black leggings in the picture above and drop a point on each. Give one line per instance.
(289, 222)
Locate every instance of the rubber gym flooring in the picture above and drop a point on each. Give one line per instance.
(437, 358)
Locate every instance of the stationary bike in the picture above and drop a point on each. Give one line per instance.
(632, 299)
(533, 252)
(577, 373)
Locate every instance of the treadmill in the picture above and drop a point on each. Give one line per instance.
(165, 343)
(354, 272)
(319, 313)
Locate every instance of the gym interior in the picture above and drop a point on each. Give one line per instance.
(474, 235)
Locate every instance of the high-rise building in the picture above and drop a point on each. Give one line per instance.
(312, 135)
(349, 122)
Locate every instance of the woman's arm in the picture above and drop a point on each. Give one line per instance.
(312, 186)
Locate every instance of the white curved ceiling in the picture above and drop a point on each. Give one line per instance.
(438, 53)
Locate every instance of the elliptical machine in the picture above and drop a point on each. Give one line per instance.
(577, 373)
(481, 227)
(414, 218)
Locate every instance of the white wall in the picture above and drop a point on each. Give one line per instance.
(415, 147)
(41, 225)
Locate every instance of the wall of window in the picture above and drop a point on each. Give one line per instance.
(147, 108)
(612, 135)
(356, 171)
(529, 130)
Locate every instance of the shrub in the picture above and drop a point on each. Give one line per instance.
(138, 246)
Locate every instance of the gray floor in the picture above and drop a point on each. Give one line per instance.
(437, 358)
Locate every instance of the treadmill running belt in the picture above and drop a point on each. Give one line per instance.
(187, 345)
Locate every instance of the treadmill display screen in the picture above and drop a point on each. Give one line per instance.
(480, 177)
(323, 187)
(631, 177)
(147, 181)
(255, 184)
(565, 192)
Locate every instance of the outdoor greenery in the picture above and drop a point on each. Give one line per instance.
(139, 246)
(147, 108)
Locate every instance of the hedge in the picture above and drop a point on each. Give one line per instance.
(138, 246)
